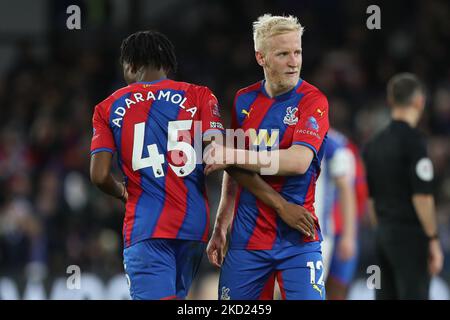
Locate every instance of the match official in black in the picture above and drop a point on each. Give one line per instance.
(400, 177)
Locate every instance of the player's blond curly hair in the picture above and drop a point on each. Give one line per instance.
(267, 26)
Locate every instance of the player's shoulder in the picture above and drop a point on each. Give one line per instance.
(335, 142)
(247, 95)
(108, 101)
(415, 139)
(193, 89)
(413, 133)
(187, 86)
(255, 87)
(121, 92)
(354, 148)
(376, 139)
(310, 92)
(403, 133)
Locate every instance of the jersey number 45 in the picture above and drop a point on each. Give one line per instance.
(155, 159)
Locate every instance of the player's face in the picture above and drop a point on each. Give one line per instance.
(128, 74)
(283, 60)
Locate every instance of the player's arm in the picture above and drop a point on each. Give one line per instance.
(292, 161)
(295, 216)
(424, 206)
(309, 134)
(227, 202)
(100, 173)
(421, 175)
(216, 245)
(102, 150)
(342, 169)
(348, 206)
(371, 212)
(347, 201)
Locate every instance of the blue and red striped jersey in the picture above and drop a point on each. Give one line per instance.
(156, 128)
(301, 117)
(361, 190)
(338, 161)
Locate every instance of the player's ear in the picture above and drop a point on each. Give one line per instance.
(390, 101)
(260, 58)
(128, 69)
(419, 101)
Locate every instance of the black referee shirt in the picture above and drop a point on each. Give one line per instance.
(397, 167)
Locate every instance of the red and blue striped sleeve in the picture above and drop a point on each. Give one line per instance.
(102, 139)
(312, 125)
(210, 113)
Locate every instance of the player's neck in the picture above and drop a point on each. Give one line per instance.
(149, 75)
(407, 115)
(274, 90)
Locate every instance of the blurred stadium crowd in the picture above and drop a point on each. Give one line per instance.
(52, 217)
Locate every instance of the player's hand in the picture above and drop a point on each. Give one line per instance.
(346, 248)
(210, 168)
(125, 196)
(298, 217)
(214, 153)
(216, 247)
(435, 257)
(214, 157)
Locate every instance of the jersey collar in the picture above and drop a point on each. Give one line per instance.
(150, 82)
(283, 96)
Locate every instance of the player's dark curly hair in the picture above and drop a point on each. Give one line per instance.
(148, 48)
